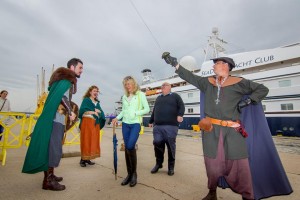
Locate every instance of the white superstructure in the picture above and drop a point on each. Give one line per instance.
(277, 68)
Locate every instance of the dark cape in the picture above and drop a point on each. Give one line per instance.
(88, 105)
(37, 156)
(268, 175)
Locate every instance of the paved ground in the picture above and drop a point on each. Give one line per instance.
(98, 182)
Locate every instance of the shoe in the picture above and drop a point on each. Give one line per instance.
(89, 162)
(171, 172)
(49, 183)
(212, 195)
(156, 168)
(82, 163)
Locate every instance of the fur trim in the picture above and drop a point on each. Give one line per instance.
(64, 73)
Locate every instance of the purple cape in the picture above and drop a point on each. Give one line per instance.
(268, 175)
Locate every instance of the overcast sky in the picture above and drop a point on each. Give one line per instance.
(113, 40)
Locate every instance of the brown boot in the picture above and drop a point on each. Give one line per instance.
(51, 171)
(49, 183)
(212, 195)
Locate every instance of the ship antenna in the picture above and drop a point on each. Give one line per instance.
(215, 43)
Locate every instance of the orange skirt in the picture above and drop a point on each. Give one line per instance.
(89, 139)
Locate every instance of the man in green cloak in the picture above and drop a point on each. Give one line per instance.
(45, 150)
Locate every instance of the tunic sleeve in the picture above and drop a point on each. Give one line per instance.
(197, 81)
(257, 91)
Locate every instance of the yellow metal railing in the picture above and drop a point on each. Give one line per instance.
(18, 126)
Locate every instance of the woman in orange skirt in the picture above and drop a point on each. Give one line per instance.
(92, 120)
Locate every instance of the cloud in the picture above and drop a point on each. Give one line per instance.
(113, 38)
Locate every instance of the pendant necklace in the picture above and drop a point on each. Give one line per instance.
(219, 87)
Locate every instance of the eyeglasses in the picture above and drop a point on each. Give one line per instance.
(165, 85)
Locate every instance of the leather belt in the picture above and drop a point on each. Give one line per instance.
(227, 123)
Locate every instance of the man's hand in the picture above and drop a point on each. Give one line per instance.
(169, 59)
(243, 104)
(179, 119)
(150, 125)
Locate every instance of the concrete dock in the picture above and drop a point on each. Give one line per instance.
(98, 181)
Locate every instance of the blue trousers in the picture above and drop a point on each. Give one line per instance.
(165, 135)
(130, 134)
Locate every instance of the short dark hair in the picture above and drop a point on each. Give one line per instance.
(3, 91)
(74, 62)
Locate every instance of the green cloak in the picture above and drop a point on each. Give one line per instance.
(37, 156)
(88, 105)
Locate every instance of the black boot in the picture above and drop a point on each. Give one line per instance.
(51, 171)
(128, 165)
(133, 160)
(49, 183)
(212, 195)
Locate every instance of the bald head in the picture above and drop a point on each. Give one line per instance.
(165, 88)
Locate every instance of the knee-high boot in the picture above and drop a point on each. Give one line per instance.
(129, 168)
(49, 183)
(133, 160)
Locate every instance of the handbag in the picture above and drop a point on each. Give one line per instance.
(142, 127)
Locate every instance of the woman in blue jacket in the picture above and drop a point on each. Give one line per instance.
(134, 106)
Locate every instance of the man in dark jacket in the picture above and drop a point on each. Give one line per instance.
(166, 116)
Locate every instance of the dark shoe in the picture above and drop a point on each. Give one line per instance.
(171, 172)
(156, 168)
(82, 163)
(247, 199)
(133, 180)
(53, 185)
(50, 184)
(126, 180)
(51, 172)
(57, 178)
(89, 162)
(212, 195)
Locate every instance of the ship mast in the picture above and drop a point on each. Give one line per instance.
(214, 45)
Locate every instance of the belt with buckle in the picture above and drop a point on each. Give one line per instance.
(227, 123)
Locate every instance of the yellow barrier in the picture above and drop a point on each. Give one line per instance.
(196, 128)
(17, 127)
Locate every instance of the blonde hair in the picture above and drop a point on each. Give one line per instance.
(133, 81)
(87, 93)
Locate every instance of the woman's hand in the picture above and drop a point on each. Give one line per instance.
(97, 110)
(114, 121)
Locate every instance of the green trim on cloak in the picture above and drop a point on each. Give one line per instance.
(88, 105)
(37, 156)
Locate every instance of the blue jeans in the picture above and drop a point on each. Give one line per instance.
(130, 134)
